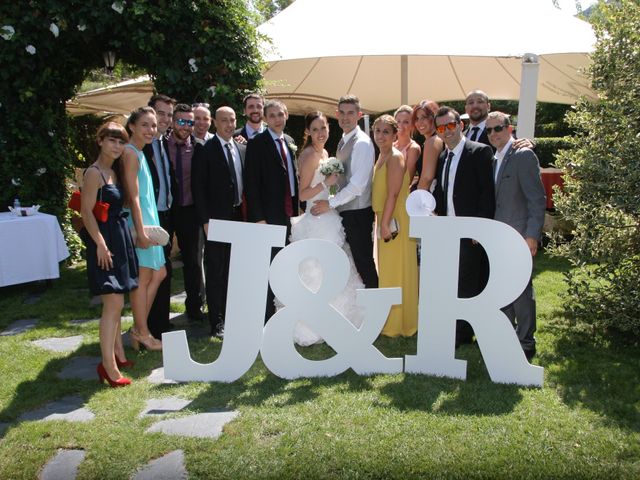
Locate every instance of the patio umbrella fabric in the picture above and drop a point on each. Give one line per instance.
(120, 98)
(390, 53)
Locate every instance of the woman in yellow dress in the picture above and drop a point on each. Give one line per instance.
(397, 262)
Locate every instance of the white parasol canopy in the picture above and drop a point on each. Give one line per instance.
(120, 98)
(400, 52)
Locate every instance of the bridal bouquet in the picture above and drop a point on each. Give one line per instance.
(332, 165)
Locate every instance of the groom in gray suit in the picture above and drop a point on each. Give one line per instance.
(520, 202)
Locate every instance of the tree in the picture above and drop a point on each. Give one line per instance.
(195, 51)
(602, 180)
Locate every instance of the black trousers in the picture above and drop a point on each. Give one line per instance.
(270, 307)
(358, 228)
(190, 240)
(158, 320)
(217, 256)
(472, 274)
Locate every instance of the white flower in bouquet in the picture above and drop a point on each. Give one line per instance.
(332, 165)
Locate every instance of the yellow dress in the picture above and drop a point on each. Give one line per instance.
(397, 259)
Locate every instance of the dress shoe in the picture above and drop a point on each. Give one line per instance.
(218, 331)
(148, 341)
(196, 317)
(102, 376)
(530, 353)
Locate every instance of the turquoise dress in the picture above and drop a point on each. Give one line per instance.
(152, 257)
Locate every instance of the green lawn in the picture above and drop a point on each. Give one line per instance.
(584, 423)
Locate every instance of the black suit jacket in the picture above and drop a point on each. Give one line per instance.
(483, 138)
(473, 188)
(242, 132)
(211, 183)
(265, 180)
(151, 161)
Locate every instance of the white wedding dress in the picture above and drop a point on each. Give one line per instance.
(327, 226)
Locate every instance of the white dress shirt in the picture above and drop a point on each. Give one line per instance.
(289, 160)
(457, 153)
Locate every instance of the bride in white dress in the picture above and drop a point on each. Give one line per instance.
(328, 226)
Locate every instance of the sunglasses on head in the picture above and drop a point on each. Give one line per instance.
(497, 129)
(183, 121)
(449, 126)
(201, 104)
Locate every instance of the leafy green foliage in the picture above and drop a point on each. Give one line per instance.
(548, 147)
(195, 51)
(602, 193)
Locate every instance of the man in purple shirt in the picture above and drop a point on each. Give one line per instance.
(179, 146)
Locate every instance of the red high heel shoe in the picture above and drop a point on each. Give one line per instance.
(125, 363)
(102, 376)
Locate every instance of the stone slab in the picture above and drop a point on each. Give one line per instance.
(157, 377)
(82, 368)
(64, 466)
(3, 428)
(33, 298)
(59, 344)
(70, 409)
(19, 326)
(201, 425)
(178, 297)
(169, 467)
(83, 321)
(177, 264)
(162, 406)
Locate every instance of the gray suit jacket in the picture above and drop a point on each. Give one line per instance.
(520, 197)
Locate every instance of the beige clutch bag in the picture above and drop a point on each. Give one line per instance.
(156, 234)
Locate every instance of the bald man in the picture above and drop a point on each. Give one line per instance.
(216, 183)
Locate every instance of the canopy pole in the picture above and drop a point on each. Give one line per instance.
(528, 95)
(404, 80)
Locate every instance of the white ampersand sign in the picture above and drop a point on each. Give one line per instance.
(354, 346)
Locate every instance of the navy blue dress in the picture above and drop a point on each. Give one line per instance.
(123, 277)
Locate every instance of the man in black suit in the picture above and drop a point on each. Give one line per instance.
(253, 109)
(180, 146)
(217, 186)
(477, 106)
(160, 169)
(464, 188)
(271, 183)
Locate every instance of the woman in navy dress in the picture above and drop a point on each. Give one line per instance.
(112, 266)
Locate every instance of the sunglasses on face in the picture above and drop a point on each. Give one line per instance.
(446, 126)
(183, 121)
(497, 129)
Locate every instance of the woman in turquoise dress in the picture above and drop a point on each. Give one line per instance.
(142, 128)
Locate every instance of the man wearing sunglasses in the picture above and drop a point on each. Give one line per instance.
(464, 188)
(520, 202)
(180, 146)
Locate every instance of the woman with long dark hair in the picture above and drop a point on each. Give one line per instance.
(142, 128)
(112, 267)
(424, 123)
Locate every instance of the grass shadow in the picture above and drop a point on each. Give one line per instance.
(603, 377)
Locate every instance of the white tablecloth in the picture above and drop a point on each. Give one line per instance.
(30, 248)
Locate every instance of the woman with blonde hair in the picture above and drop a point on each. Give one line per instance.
(397, 257)
(112, 268)
(405, 144)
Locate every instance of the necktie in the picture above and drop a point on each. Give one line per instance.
(445, 187)
(340, 144)
(234, 177)
(164, 161)
(494, 163)
(288, 204)
(474, 135)
(179, 174)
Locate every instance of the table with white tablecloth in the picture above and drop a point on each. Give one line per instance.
(30, 248)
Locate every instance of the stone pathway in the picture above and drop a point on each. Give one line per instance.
(169, 467)
(19, 326)
(201, 425)
(162, 406)
(64, 466)
(178, 297)
(33, 298)
(83, 321)
(82, 368)
(157, 377)
(3, 428)
(70, 409)
(57, 344)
